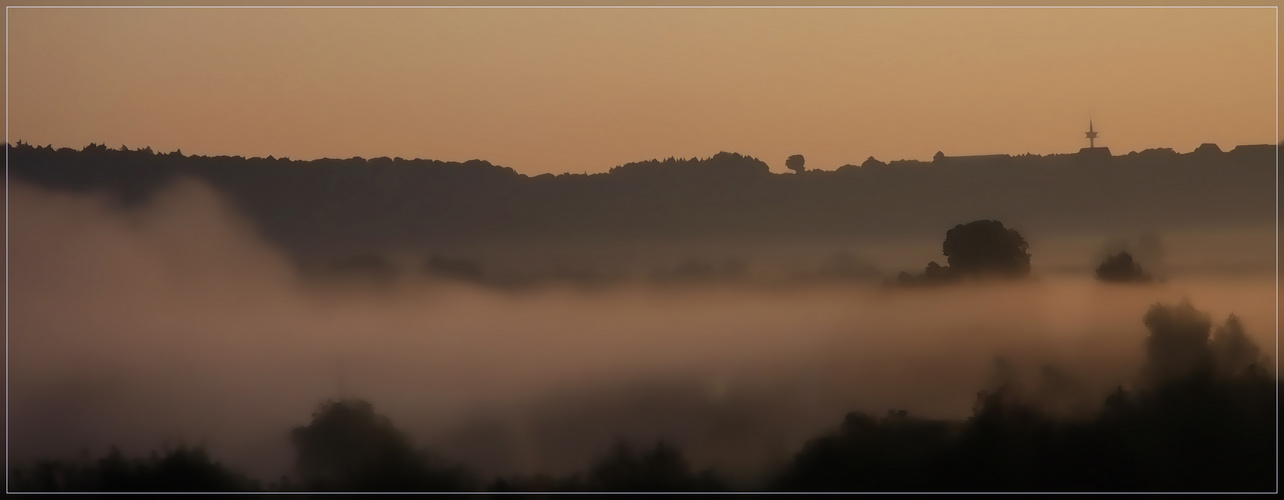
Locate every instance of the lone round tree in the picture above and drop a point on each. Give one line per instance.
(978, 248)
(1121, 268)
(795, 163)
(986, 247)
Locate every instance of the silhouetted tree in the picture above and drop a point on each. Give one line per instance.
(178, 470)
(1207, 415)
(934, 273)
(795, 163)
(538, 482)
(872, 163)
(1233, 353)
(895, 453)
(1180, 345)
(1178, 341)
(1206, 423)
(661, 468)
(986, 247)
(1120, 268)
(348, 447)
(977, 248)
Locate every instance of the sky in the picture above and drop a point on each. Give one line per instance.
(583, 90)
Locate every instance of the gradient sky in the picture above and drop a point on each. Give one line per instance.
(582, 90)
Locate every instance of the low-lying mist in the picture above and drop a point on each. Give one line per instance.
(175, 322)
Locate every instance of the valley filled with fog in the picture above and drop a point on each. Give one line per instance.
(175, 321)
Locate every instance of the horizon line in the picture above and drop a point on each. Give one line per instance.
(1276, 7)
(693, 158)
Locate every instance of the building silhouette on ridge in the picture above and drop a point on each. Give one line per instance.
(1092, 151)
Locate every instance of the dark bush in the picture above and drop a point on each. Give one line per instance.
(1121, 268)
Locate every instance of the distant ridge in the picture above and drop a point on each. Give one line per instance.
(357, 204)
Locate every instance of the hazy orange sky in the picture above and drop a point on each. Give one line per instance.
(582, 90)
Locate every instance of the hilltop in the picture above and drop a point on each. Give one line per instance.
(356, 204)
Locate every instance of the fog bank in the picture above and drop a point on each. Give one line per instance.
(176, 321)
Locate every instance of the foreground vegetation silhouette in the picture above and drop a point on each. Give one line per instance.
(349, 447)
(184, 468)
(1200, 417)
(661, 468)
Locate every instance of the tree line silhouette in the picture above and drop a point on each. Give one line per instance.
(841, 266)
(982, 249)
(987, 249)
(1202, 417)
(357, 204)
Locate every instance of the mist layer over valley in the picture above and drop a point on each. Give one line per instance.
(174, 319)
(641, 248)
